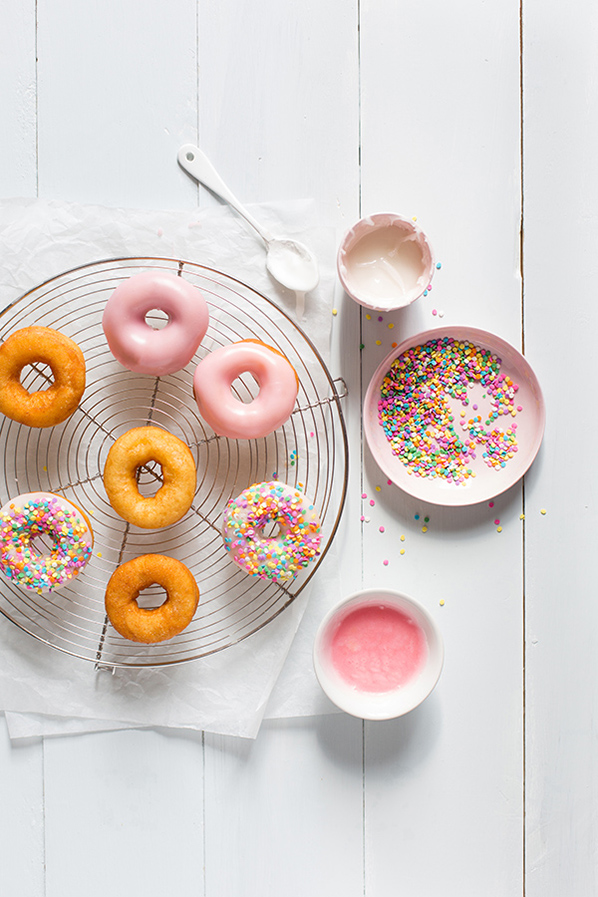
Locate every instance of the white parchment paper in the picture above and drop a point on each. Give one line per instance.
(45, 692)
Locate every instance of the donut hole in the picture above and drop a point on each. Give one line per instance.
(269, 529)
(151, 598)
(244, 392)
(36, 376)
(157, 319)
(41, 544)
(149, 479)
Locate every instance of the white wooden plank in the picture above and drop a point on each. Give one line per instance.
(124, 813)
(278, 100)
(21, 767)
(22, 816)
(284, 813)
(18, 173)
(561, 234)
(117, 97)
(440, 133)
(279, 118)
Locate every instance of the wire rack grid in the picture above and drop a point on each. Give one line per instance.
(309, 451)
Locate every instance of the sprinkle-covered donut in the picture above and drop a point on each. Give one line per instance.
(38, 516)
(136, 448)
(279, 557)
(151, 624)
(228, 415)
(135, 343)
(43, 346)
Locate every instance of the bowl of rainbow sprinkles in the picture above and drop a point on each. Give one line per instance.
(454, 416)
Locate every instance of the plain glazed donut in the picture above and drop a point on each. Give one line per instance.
(279, 557)
(47, 407)
(135, 343)
(138, 447)
(156, 624)
(42, 514)
(228, 416)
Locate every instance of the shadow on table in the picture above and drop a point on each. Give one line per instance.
(407, 740)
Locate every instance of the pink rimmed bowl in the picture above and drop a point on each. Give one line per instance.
(488, 481)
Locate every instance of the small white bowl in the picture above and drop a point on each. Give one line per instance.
(394, 649)
(385, 262)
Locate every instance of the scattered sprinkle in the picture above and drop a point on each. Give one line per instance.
(368, 317)
(391, 326)
(438, 265)
(499, 529)
(441, 602)
(434, 312)
(380, 318)
(496, 522)
(335, 311)
(402, 538)
(385, 563)
(522, 516)
(542, 511)
(402, 551)
(381, 529)
(424, 529)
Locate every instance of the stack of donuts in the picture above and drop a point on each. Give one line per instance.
(140, 348)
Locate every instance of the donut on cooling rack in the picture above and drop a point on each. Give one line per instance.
(43, 346)
(135, 343)
(156, 624)
(38, 517)
(229, 416)
(281, 556)
(131, 451)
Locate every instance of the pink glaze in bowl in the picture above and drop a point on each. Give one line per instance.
(378, 654)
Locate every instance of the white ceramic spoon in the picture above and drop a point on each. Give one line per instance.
(291, 263)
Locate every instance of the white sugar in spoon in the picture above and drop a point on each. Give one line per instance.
(290, 263)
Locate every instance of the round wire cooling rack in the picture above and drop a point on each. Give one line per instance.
(309, 451)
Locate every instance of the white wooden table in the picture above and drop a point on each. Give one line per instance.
(480, 118)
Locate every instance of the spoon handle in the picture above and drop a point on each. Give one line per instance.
(197, 164)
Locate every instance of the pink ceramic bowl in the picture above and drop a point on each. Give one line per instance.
(488, 481)
(385, 262)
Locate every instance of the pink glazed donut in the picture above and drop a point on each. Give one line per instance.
(135, 343)
(228, 416)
